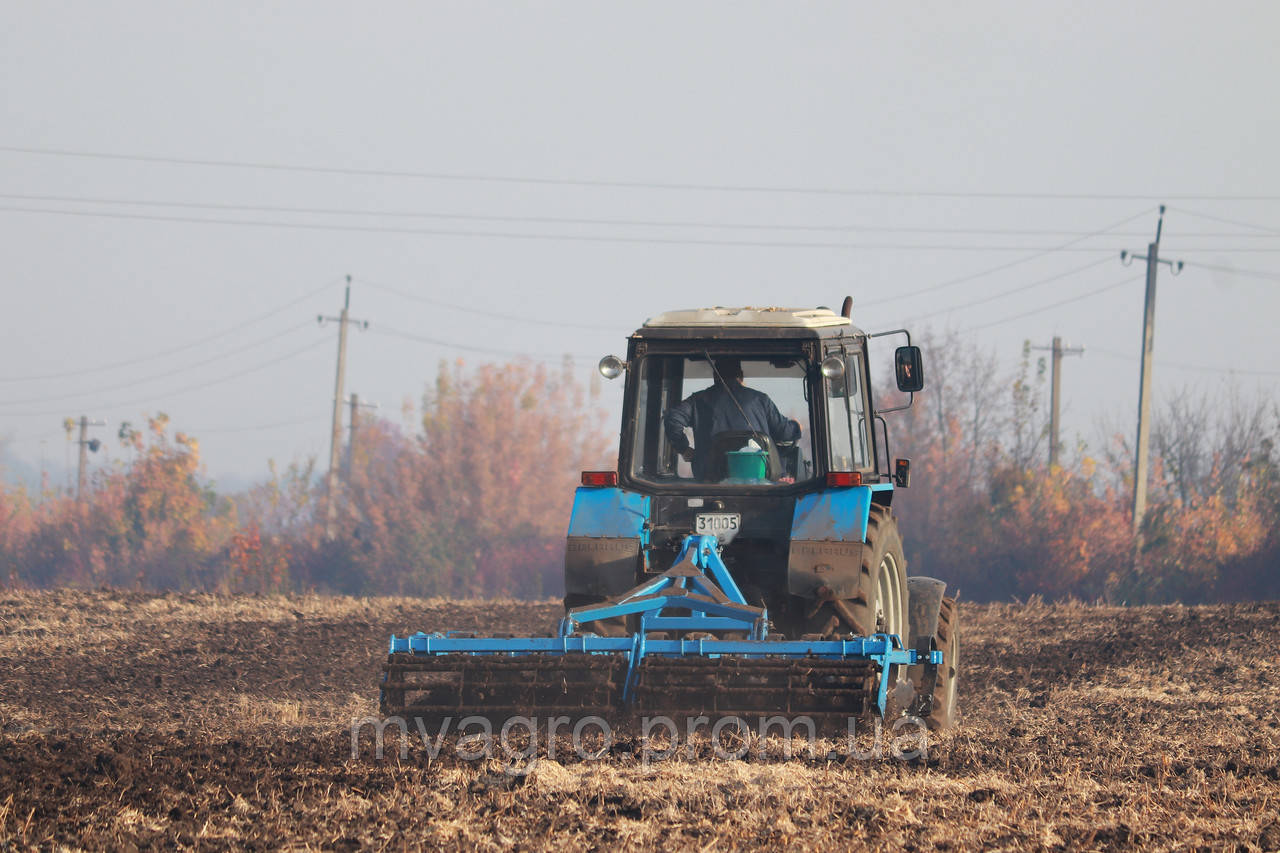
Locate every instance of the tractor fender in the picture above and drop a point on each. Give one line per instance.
(828, 532)
(607, 534)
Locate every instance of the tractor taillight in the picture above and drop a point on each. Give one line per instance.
(836, 479)
(599, 478)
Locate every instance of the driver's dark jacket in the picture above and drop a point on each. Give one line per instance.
(712, 411)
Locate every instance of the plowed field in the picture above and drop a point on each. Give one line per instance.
(132, 720)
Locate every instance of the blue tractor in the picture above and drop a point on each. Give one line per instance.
(742, 560)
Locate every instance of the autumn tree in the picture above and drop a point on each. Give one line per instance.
(478, 501)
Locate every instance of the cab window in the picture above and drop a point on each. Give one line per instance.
(846, 419)
(695, 425)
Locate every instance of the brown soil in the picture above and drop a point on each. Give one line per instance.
(138, 720)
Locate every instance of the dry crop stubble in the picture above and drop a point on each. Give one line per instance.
(134, 719)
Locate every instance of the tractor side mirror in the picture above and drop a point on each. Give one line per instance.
(908, 367)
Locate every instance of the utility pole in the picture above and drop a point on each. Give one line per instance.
(354, 419)
(335, 436)
(1152, 257)
(44, 471)
(86, 444)
(1055, 393)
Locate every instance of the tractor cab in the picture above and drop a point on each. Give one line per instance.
(798, 408)
(753, 425)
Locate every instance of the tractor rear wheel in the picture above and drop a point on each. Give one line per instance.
(880, 606)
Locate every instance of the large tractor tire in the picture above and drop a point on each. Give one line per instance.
(881, 603)
(935, 624)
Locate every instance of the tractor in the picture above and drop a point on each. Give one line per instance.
(734, 563)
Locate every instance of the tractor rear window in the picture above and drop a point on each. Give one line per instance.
(731, 421)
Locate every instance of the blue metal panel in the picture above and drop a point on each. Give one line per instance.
(838, 515)
(606, 512)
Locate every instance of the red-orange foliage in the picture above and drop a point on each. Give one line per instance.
(256, 565)
(152, 522)
(986, 515)
(474, 500)
(478, 502)
(1052, 534)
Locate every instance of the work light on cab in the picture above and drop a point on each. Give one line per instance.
(611, 367)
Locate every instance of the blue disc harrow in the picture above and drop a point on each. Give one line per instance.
(697, 649)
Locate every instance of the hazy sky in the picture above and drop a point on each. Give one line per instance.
(924, 158)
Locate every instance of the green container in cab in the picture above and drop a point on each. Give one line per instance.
(747, 464)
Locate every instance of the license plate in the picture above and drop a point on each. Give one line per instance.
(722, 525)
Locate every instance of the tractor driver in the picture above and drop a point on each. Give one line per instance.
(726, 406)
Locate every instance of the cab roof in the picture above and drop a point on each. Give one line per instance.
(746, 323)
(771, 317)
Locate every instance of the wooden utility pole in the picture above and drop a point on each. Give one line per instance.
(335, 435)
(86, 444)
(354, 419)
(1152, 258)
(1055, 393)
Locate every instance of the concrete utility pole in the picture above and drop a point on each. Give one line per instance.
(335, 435)
(1055, 393)
(354, 418)
(1152, 257)
(86, 444)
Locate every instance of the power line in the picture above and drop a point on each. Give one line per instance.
(1053, 305)
(162, 353)
(186, 388)
(32, 436)
(1012, 291)
(145, 379)
(573, 220)
(519, 235)
(1184, 366)
(196, 432)
(594, 327)
(1067, 246)
(1262, 274)
(386, 330)
(261, 427)
(1250, 249)
(621, 184)
(1226, 221)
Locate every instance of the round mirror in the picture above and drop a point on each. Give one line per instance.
(832, 367)
(611, 367)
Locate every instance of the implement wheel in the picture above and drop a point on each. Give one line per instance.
(881, 603)
(935, 625)
(945, 709)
